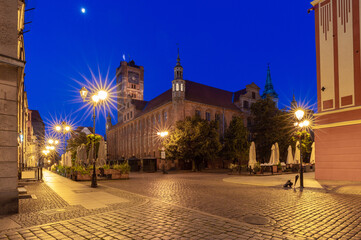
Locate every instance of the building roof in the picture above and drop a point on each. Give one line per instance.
(201, 93)
(239, 93)
(79, 129)
(158, 101)
(35, 116)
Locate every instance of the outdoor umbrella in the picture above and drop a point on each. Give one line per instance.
(289, 155)
(101, 154)
(313, 157)
(297, 153)
(252, 156)
(277, 155)
(77, 160)
(273, 155)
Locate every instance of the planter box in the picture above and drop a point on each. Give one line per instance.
(81, 177)
(124, 176)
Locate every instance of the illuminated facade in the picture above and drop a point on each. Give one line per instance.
(135, 134)
(338, 121)
(13, 102)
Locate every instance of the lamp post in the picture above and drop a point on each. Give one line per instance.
(163, 135)
(64, 128)
(96, 98)
(301, 123)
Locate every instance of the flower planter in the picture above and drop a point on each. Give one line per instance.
(124, 176)
(85, 177)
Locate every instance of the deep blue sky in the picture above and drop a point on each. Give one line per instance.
(225, 44)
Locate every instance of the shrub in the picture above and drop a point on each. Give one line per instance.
(82, 170)
(125, 168)
(106, 167)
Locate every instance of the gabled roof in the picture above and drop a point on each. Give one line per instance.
(201, 93)
(139, 104)
(239, 93)
(158, 101)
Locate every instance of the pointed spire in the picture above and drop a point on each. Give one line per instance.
(178, 59)
(294, 102)
(268, 89)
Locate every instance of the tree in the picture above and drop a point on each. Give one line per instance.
(270, 125)
(78, 140)
(236, 145)
(193, 139)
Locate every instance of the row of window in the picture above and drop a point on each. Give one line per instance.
(208, 115)
(129, 115)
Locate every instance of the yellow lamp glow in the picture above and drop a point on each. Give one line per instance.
(51, 141)
(67, 128)
(102, 94)
(56, 142)
(306, 123)
(57, 128)
(95, 98)
(299, 114)
(301, 125)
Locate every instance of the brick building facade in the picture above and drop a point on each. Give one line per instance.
(135, 134)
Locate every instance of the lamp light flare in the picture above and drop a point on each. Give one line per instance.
(83, 10)
(102, 95)
(51, 141)
(56, 142)
(57, 128)
(67, 128)
(306, 123)
(299, 114)
(95, 98)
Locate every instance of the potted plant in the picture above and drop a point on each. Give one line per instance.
(279, 167)
(257, 168)
(82, 173)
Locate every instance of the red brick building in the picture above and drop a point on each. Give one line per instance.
(135, 134)
(338, 122)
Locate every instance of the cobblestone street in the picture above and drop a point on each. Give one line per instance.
(188, 206)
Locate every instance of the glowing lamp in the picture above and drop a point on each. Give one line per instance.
(51, 141)
(95, 98)
(299, 114)
(57, 128)
(306, 123)
(56, 142)
(102, 94)
(67, 128)
(83, 93)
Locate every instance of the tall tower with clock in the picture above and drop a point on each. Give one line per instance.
(130, 82)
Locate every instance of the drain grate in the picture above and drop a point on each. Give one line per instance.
(256, 220)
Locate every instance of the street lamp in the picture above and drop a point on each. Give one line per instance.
(64, 128)
(300, 124)
(96, 98)
(163, 135)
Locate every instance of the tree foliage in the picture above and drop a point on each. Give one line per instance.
(236, 145)
(270, 125)
(193, 139)
(306, 143)
(82, 138)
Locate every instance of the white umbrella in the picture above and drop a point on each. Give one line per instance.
(252, 156)
(62, 160)
(277, 154)
(313, 155)
(101, 154)
(297, 153)
(273, 155)
(289, 155)
(68, 159)
(77, 160)
(82, 154)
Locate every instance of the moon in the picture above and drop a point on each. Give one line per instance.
(83, 10)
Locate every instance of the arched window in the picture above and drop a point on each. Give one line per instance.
(181, 88)
(177, 87)
(173, 87)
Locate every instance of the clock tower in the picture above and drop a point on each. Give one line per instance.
(130, 82)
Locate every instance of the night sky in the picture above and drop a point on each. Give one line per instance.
(225, 44)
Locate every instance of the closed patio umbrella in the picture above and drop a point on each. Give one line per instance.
(297, 153)
(289, 155)
(277, 155)
(252, 156)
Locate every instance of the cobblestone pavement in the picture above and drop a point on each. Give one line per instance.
(310, 213)
(190, 206)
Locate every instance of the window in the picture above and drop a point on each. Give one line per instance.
(127, 105)
(217, 117)
(182, 87)
(131, 114)
(245, 104)
(125, 117)
(159, 118)
(177, 87)
(253, 95)
(165, 116)
(198, 113)
(173, 87)
(128, 116)
(208, 116)
(153, 119)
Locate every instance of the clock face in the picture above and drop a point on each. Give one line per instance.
(133, 77)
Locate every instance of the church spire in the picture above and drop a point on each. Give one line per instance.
(294, 102)
(268, 89)
(178, 69)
